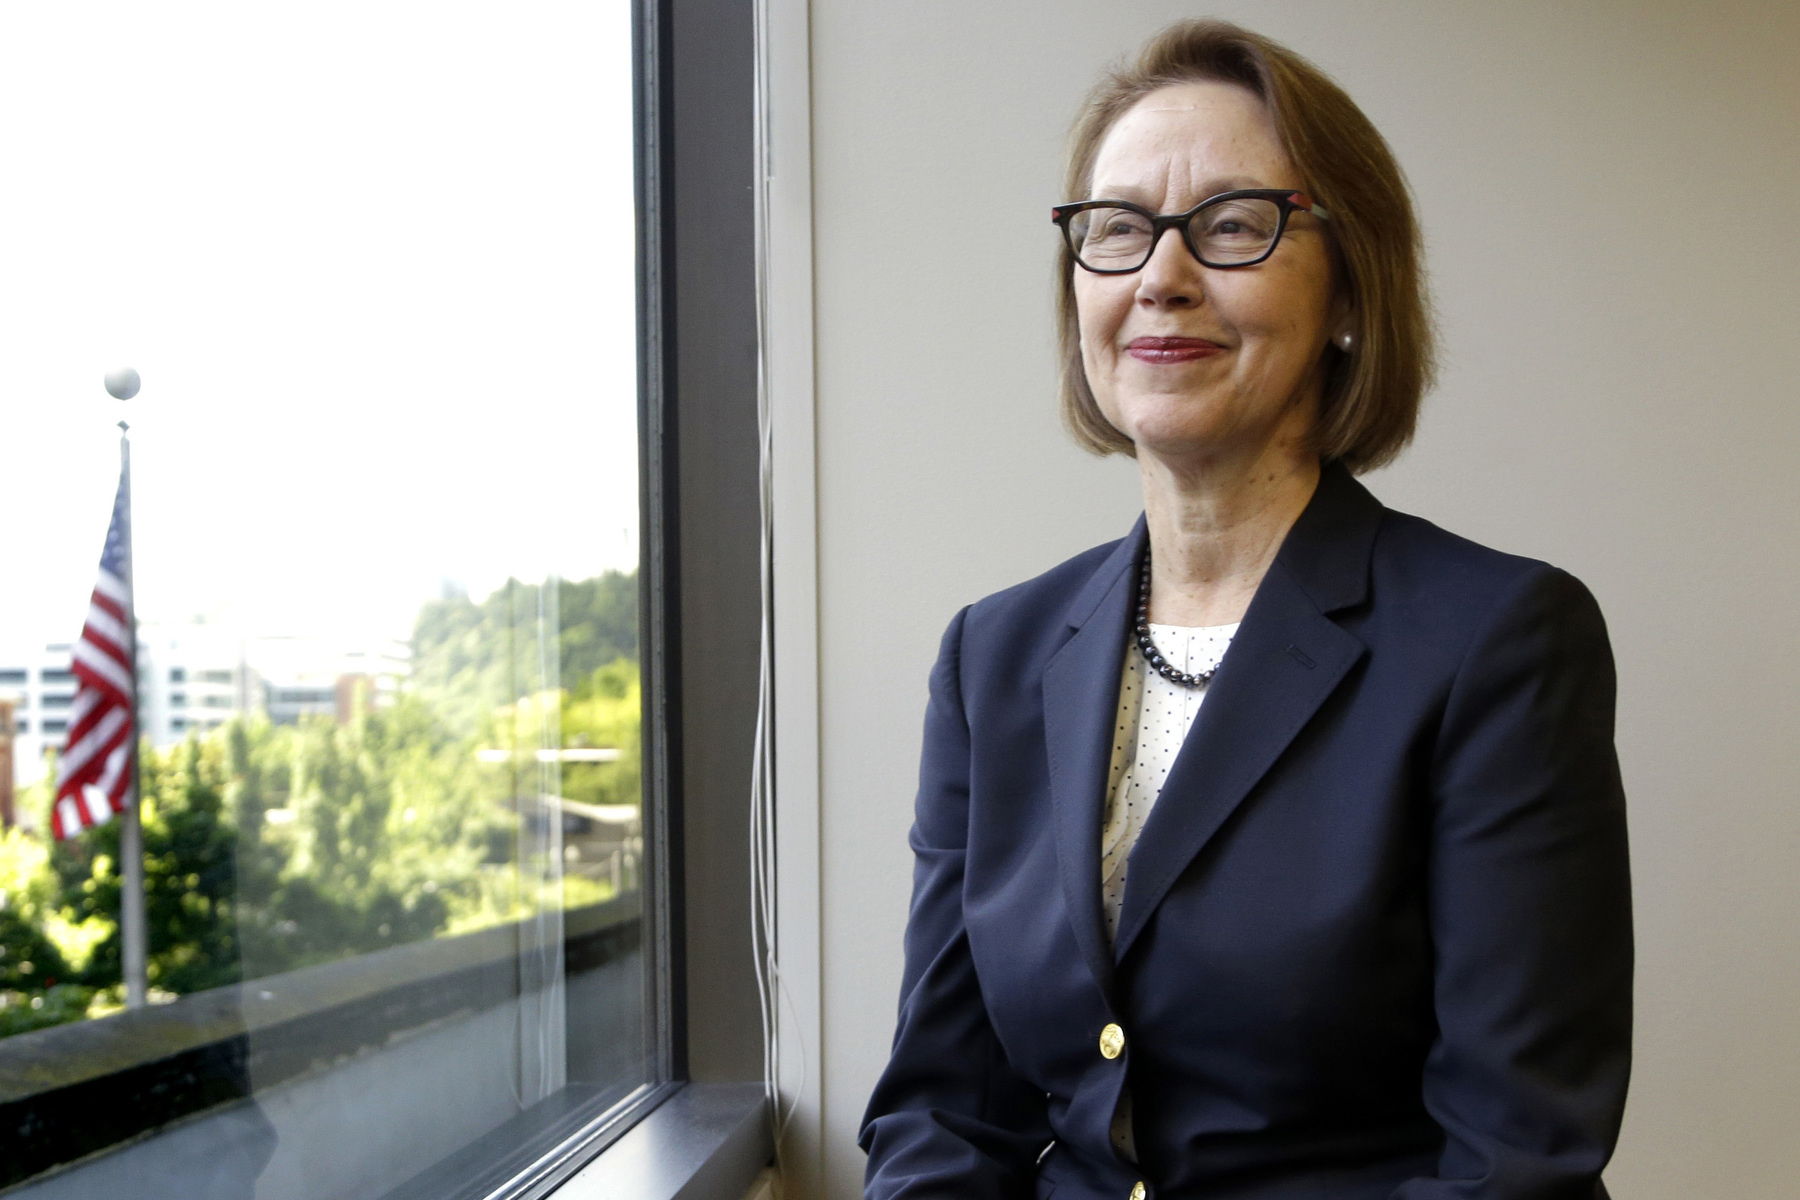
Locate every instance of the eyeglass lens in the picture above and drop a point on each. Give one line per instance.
(1230, 232)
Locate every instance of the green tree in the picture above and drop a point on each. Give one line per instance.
(383, 831)
(599, 619)
(190, 876)
(471, 659)
(28, 959)
(384, 838)
(34, 975)
(606, 710)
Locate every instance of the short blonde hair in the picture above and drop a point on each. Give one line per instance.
(1370, 401)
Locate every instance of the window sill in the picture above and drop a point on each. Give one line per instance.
(707, 1141)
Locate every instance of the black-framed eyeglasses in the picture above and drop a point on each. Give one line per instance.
(1231, 229)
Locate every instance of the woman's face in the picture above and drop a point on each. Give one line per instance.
(1190, 362)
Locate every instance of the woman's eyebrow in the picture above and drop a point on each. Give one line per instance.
(1136, 195)
(1231, 183)
(1208, 189)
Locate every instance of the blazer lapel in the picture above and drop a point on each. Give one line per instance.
(1286, 659)
(1081, 704)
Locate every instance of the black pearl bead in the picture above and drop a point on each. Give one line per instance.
(1146, 642)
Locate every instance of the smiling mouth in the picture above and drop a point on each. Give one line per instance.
(1172, 349)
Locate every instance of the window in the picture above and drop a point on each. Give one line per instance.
(12, 675)
(177, 699)
(50, 726)
(22, 726)
(56, 699)
(51, 675)
(453, 926)
(303, 696)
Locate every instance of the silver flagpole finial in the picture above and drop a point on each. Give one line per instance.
(123, 383)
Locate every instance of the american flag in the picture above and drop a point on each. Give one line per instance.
(95, 775)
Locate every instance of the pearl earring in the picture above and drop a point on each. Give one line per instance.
(1345, 341)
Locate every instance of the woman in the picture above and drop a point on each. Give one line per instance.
(1277, 850)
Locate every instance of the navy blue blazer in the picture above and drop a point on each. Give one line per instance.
(1376, 935)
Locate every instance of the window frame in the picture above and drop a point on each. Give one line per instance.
(695, 146)
(698, 362)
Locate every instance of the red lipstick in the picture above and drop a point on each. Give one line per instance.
(1172, 349)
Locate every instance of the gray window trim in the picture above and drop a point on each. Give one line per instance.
(705, 1136)
(706, 1141)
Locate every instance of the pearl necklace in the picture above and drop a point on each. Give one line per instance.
(1147, 644)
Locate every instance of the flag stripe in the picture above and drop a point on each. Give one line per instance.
(112, 771)
(82, 714)
(112, 592)
(96, 806)
(111, 672)
(107, 731)
(108, 630)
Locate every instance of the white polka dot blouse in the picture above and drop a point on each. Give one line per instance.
(1154, 718)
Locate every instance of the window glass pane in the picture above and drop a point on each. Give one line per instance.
(375, 262)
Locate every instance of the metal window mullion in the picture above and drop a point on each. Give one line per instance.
(659, 590)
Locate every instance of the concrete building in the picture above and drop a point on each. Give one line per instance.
(192, 677)
(40, 689)
(195, 676)
(304, 676)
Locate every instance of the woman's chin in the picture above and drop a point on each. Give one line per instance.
(1182, 439)
(1191, 430)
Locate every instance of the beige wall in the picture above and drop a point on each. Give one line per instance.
(1610, 193)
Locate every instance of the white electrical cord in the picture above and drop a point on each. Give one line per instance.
(770, 990)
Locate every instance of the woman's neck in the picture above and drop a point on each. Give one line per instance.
(1215, 527)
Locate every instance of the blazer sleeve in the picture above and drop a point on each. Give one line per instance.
(949, 1119)
(1530, 907)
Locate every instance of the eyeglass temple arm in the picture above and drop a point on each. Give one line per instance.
(1306, 203)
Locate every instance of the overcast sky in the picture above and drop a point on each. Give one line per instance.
(374, 261)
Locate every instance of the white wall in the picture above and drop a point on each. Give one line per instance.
(1610, 194)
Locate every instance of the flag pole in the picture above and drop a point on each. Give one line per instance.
(131, 830)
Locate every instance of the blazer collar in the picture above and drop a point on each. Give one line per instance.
(1115, 566)
(1328, 550)
(1285, 660)
(1081, 700)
